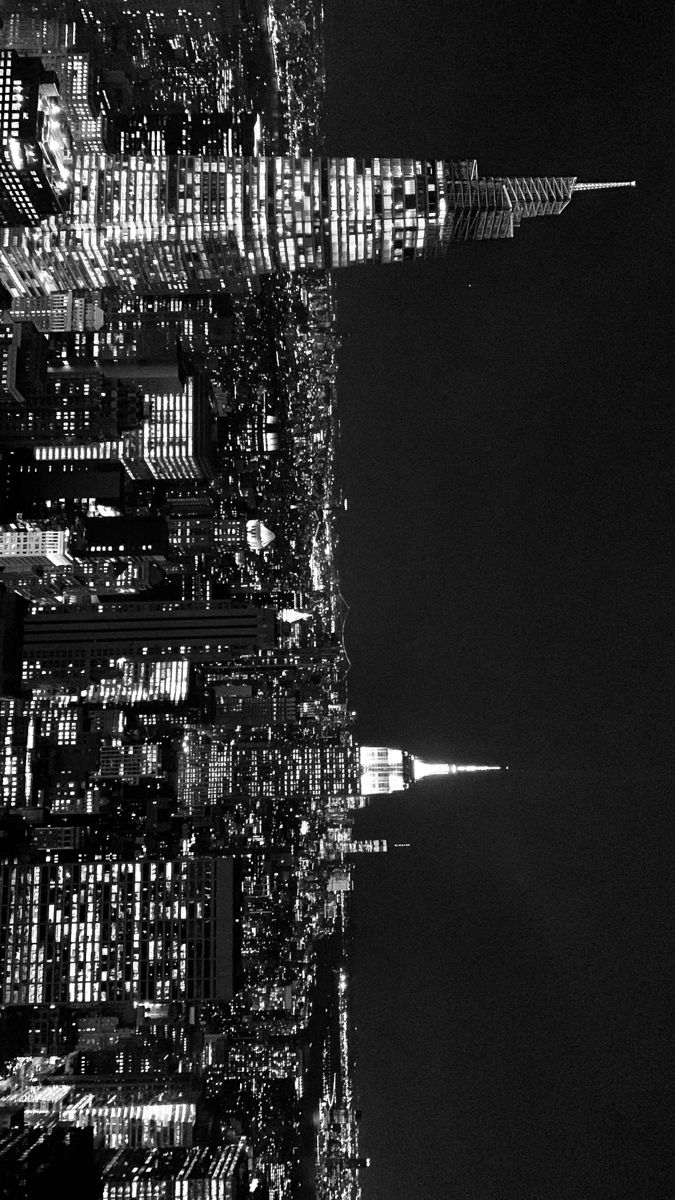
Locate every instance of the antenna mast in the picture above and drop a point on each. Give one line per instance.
(594, 187)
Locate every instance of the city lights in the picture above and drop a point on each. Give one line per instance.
(179, 771)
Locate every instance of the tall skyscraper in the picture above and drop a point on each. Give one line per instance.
(74, 646)
(385, 770)
(106, 932)
(35, 162)
(153, 224)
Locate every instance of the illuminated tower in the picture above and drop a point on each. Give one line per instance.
(169, 223)
(35, 162)
(97, 932)
(385, 770)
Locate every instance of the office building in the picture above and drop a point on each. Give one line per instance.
(13, 752)
(77, 646)
(33, 34)
(58, 408)
(131, 762)
(129, 535)
(213, 765)
(171, 223)
(107, 932)
(78, 98)
(27, 544)
(35, 147)
(61, 312)
(125, 1122)
(174, 441)
(178, 1174)
(41, 488)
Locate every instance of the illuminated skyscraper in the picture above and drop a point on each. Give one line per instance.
(178, 1173)
(13, 752)
(111, 931)
(35, 152)
(385, 770)
(60, 409)
(152, 224)
(213, 766)
(139, 1118)
(29, 544)
(174, 441)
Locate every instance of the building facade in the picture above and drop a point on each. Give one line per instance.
(81, 645)
(106, 932)
(35, 145)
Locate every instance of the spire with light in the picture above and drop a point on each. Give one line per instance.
(597, 187)
(423, 770)
(385, 770)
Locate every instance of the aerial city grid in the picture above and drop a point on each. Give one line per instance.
(180, 774)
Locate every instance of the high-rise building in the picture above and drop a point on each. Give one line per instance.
(33, 34)
(131, 762)
(35, 149)
(213, 766)
(127, 1122)
(61, 312)
(25, 544)
(13, 752)
(36, 487)
(58, 408)
(101, 536)
(385, 770)
(76, 87)
(77, 646)
(141, 682)
(108, 932)
(138, 1116)
(169, 223)
(178, 1174)
(174, 441)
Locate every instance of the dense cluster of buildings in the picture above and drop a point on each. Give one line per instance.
(178, 771)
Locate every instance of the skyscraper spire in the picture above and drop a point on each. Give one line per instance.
(422, 770)
(594, 187)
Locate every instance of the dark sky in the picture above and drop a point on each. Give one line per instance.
(506, 412)
(509, 986)
(506, 448)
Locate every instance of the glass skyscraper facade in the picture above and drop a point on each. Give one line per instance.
(161, 223)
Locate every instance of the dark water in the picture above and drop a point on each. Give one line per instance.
(510, 990)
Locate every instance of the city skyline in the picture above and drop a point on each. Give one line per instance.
(280, 541)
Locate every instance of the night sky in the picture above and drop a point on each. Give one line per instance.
(505, 430)
(509, 983)
(506, 412)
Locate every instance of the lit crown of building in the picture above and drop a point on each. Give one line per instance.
(385, 770)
